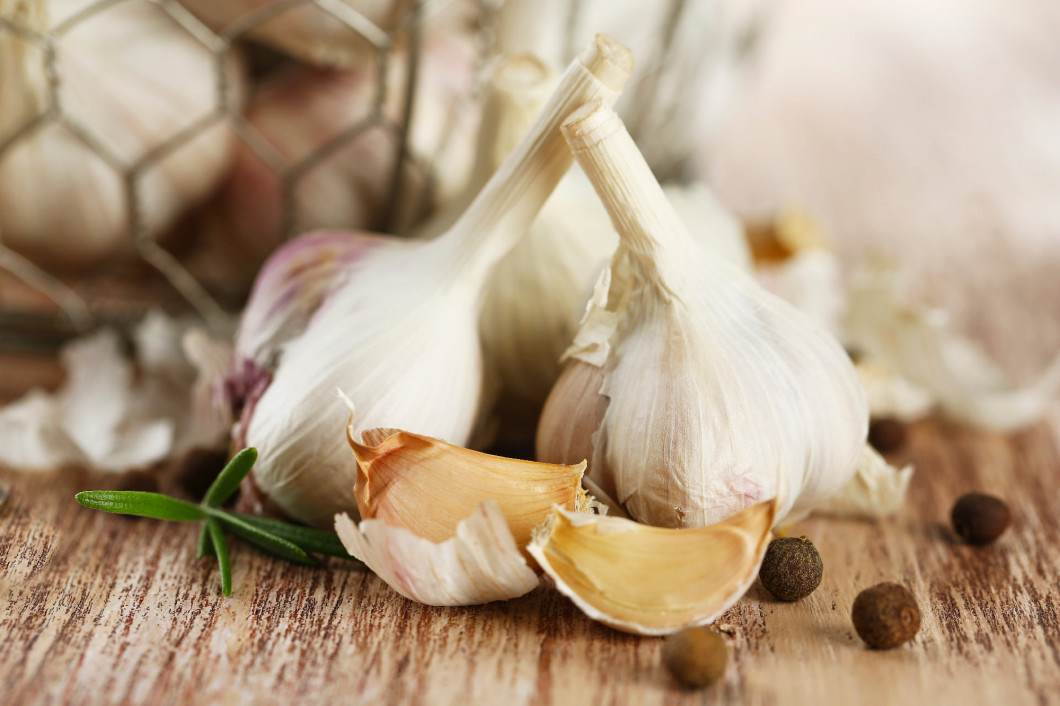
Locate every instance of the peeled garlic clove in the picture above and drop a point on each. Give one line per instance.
(877, 490)
(481, 563)
(110, 83)
(917, 345)
(399, 330)
(713, 386)
(650, 580)
(428, 486)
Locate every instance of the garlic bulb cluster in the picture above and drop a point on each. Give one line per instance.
(397, 330)
(305, 117)
(132, 80)
(536, 295)
(692, 391)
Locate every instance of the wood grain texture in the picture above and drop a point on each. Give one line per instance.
(100, 608)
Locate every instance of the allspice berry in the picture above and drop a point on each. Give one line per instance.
(886, 435)
(791, 569)
(886, 615)
(696, 657)
(980, 518)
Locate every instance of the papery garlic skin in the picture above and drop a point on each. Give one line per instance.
(649, 580)
(110, 85)
(428, 486)
(716, 390)
(481, 563)
(916, 344)
(877, 490)
(399, 331)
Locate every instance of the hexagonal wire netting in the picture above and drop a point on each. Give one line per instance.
(75, 312)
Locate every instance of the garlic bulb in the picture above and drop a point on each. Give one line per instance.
(917, 347)
(130, 81)
(344, 36)
(714, 390)
(877, 490)
(479, 564)
(338, 178)
(397, 330)
(650, 580)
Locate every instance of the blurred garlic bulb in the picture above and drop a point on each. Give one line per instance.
(346, 35)
(397, 329)
(129, 81)
(340, 175)
(650, 580)
(693, 391)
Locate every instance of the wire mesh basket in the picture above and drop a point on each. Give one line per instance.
(40, 305)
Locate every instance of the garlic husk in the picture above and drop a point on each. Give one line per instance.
(398, 332)
(111, 85)
(878, 489)
(651, 580)
(113, 413)
(716, 390)
(890, 395)
(427, 486)
(481, 563)
(916, 343)
(309, 119)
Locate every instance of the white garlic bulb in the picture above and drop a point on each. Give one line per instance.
(305, 117)
(130, 80)
(398, 328)
(709, 390)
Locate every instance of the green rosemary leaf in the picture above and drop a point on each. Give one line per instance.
(271, 549)
(142, 504)
(217, 537)
(230, 477)
(308, 538)
(277, 545)
(205, 543)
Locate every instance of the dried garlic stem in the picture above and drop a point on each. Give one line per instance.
(492, 224)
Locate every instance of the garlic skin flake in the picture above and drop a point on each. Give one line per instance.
(890, 395)
(877, 490)
(398, 331)
(917, 344)
(716, 391)
(650, 580)
(428, 486)
(481, 563)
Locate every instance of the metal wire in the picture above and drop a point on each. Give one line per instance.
(76, 311)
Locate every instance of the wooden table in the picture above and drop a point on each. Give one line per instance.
(103, 609)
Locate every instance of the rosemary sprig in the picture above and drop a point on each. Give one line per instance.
(281, 539)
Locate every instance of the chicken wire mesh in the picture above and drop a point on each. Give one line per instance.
(40, 307)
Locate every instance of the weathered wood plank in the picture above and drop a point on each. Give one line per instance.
(107, 609)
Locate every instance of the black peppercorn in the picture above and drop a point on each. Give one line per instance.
(696, 657)
(886, 616)
(791, 569)
(980, 518)
(886, 435)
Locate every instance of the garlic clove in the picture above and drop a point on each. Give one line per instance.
(917, 344)
(716, 391)
(428, 486)
(651, 580)
(479, 564)
(878, 489)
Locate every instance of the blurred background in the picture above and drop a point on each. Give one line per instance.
(153, 153)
